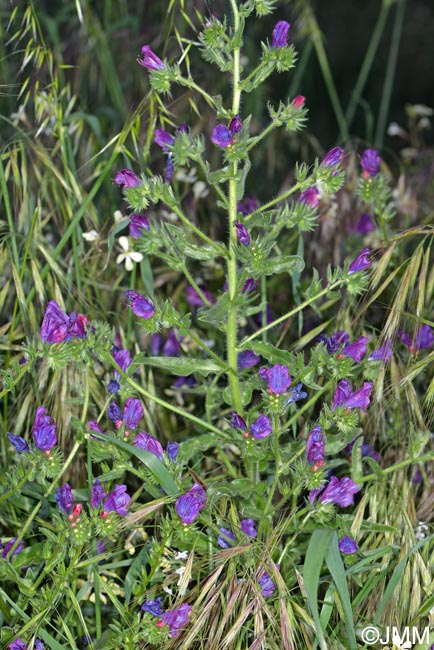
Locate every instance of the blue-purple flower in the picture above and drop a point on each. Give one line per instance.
(118, 500)
(370, 162)
(64, 498)
(127, 178)
(138, 224)
(224, 540)
(145, 441)
(190, 504)
(44, 431)
(18, 644)
(424, 338)
(361, 262)
(347, 545)
(280, 34)
(249, 285)
(171, 347)
(247, 359)
(133, 413)
(18, 442)
(237, 422)
(309, 197)
(266, 584)
(195, 300)
(163, 139)
(57, 326)
(153, 606)
(170, 168)
(7, 547)
(122, 358)
(242, 233)
(247, 205)
(150, 61)
(344, 395)
(222, 136)
(248, 527)
(333, 157)
(277, 377)
(176, 619)
(364, 225)
(172, 449)
(295, 394)
(141, 306)
(340, 492)
(315, 447)
(382, 353)
(98, 494)
(356, 350)
(336, 341)
(261, 428)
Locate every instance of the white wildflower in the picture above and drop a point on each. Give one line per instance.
(128, 256)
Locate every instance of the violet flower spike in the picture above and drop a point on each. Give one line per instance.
(221, 136)
(242, 233)
(150, 60)
(237, 422)
(333, 157)
(356, 350)
(163, 139)
(127, 178)
(247, 359)
(122, 358)
(347, 545)
(172, 449)
(55, 324)
(170, 168)
(315, 446)
(118, 500)
(177, 619)
(280, 34)
(383, 353)
(141, 306)
(18, 644)
(309, 197)
(133, 413)
(191, 503)
(277, 377)
(138, 224)
(424, 338)
(248, 527)
(361, 262)
(235, 125)
(19, 443)
(147, 442)
(153, 606)
(261, 428)
(340, 492)
(44, 431)
(98, 494)
(370, 162)
(223, 539)
(64, 498)
(344, 396)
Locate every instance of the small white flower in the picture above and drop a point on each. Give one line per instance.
(92, 235)
(186, 177)
(127, 256)
(180, 572)
(118, 216)
(200, 190)
(168, 590)
(182, 555)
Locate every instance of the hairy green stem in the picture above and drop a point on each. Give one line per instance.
(221, 250)
(195, 286)
(400, 465)
(270, 204)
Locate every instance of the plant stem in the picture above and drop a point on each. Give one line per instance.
(231, 328)
(270, 204)
(219, 248)
(400, 465)
(195, 286)
(207, 349)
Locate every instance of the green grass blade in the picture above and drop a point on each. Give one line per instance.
(337, 570)
(317, 549)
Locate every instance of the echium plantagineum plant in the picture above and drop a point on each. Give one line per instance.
(286, 426)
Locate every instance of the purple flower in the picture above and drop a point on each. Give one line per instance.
(357, 349)
(114, 414)
(347, 545)
(222, 541)
(101, 547)
(38, 645)
(156, 343)
(237, 422)
(133, 413)
(333, 157)
(247, 205)
(261, 427)
(315, 446)
(176, 619)
(190, 504)
(370, 162)
(242, 233)
(122, 358)
(18, 644)
(336, 341)
(235, 125)
(364, 224)
(18, 442)
(127, 178)
(277, 377)
(163, 139)
(195, 300)
(170, 168)
(295, 394)
(94, 426)
(280, 34)
(44, 431)
(344, 395)
(145, 441)
(309, 197)
(248, 527)
(113, 386)
(171, 348)
(266, 584)
(153, 606)
(368, 450)
(118, 500)
(7, 547)
(247, 359)
(138, 224)
(98, 494)
(423, 339)
(150, 60)
(249, 285)
(221, 136)
(383, 353)
(55, 323)
(172, 449)
(298, 101)
(64, 498)
(77, 326)
(340, 492)
(361, 262)
(141, 306)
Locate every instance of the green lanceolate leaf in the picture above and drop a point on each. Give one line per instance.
(183, 366)
(337, 570)
(317, 549)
